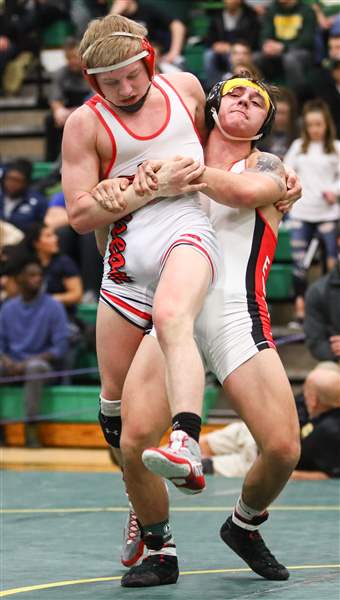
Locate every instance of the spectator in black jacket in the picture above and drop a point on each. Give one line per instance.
(322, 317)
(237, 21)
(319, 416)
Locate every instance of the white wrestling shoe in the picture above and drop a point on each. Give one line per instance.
(179, 461)
(133, 545)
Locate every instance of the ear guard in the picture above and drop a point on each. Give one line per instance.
(221, 88)
(147, 54)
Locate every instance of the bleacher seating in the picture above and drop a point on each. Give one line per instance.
(280, 281)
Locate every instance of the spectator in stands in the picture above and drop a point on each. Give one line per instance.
(288, 36)
(82, 248)
(322, 316)
(325, 80)
(21, 26)
(316, 158)
(62, 280)
(69, 90)
(43, 321)
(285, 128)
(165, 28)
(83, 11)
(236, 21)
(260, 6)
(60, 273)
(240, 54)
(19, 204)
(232, 450)
(319, 416)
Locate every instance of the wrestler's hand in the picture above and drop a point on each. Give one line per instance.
(146, 180)
(177, 176)
(108, 194)
(293, 192)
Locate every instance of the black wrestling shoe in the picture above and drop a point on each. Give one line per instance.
(250, 546)
(157, 569)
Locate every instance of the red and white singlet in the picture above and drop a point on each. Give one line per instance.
(234, 323)
(139, 244)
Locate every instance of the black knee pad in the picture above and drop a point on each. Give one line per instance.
(111, 428)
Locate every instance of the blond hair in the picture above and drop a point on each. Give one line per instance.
(99, 49)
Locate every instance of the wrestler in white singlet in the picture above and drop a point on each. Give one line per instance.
(234, 323)
(139, 244)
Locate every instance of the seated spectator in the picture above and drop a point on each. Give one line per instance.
(82, 248)
(239, 54)
(260, 6)
(41, 348)
(69, 90)
(320, 428)
(60, 273)
(285, 129)
(21, 26)
(322, 316)
(237, 21)
(232, 450)
(20, 205)
(83, 11)
(315, 158)
(167, 30)
(288, 36)
(324, 81)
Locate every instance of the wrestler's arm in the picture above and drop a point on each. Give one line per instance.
(263, 182)
(81, 179)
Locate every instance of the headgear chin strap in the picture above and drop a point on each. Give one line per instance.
(147, 55)
(228, 135)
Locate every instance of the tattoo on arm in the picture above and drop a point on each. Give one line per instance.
(272, 166)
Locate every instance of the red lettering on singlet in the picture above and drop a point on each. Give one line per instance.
(116, 252)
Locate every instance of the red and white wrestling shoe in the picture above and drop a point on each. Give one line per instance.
(133, 545)
(180, 462)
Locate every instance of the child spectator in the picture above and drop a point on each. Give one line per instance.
(316, 158)
(236, 21)
(33, 338)
(20, 205)
(288, 38)
(69, 90)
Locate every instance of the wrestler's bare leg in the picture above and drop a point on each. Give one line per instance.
(260, 393)
(117, 343)
(146, 416)
(178, 299)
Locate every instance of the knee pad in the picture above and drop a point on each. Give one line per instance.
(111, 428)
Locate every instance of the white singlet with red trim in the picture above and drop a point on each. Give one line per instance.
(234, 323)
(139, 244)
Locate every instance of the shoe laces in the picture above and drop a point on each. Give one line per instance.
(133, 527)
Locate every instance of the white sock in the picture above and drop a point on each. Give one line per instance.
(243, 515)
(110, 408)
